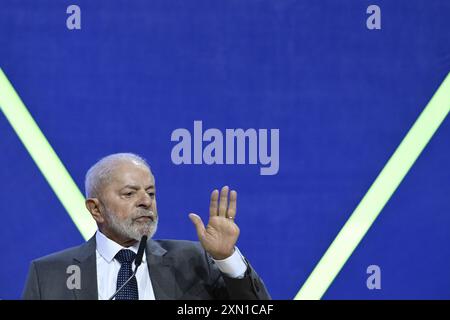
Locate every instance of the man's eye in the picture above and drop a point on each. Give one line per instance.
(129, 194)
(151, 194)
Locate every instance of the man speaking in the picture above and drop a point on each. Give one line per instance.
(121, 197)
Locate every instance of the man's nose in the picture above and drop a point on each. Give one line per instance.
(145, 201)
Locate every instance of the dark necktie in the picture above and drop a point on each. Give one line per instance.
(130, 291)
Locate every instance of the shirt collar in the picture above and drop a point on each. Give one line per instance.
(108, 248)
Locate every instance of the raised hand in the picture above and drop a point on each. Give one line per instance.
(220, 235)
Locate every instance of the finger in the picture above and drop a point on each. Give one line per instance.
(198, 223)
(231, 213)
(223, 202)
(213, 203)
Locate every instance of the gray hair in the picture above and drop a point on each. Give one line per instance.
(100, 172)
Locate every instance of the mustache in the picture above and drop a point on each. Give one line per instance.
(145, 213)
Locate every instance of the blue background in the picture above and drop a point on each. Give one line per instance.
(342, 96)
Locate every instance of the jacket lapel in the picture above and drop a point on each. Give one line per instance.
(161, 271)
(86, 259)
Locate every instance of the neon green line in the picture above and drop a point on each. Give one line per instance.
(378, 195)
(45, 157)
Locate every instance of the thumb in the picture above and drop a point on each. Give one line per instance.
(198, 223)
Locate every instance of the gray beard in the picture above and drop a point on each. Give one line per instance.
(129, 228)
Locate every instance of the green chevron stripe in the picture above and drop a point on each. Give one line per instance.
(378, 195)
(45, 157)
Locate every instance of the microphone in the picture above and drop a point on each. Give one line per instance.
(137, 262)
(140, 252)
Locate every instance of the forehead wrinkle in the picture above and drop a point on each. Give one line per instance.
(104, 171)
(126, 175)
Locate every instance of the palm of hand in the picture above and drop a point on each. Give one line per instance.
(220, 235)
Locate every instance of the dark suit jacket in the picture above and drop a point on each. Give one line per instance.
(178, 270)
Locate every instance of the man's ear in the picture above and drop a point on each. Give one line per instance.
(93, 205)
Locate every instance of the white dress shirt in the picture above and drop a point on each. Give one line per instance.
(108, 268)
